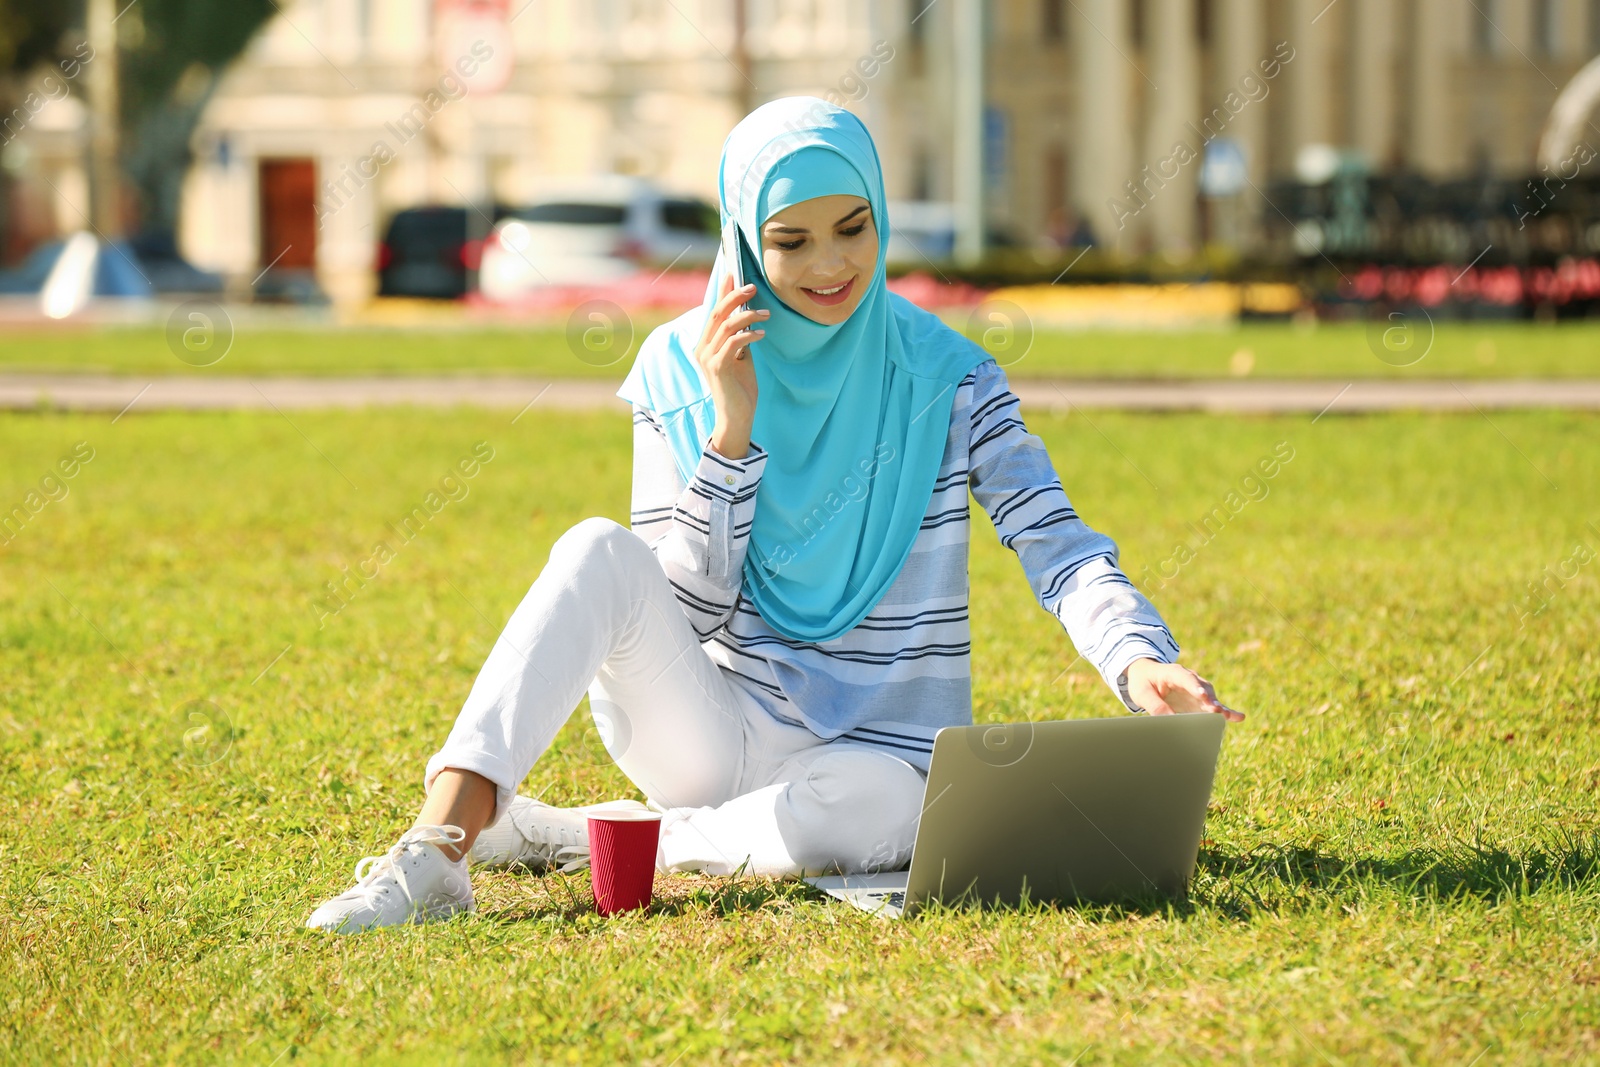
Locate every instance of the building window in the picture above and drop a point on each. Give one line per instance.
(1203, 17)
(917, 12)
(1594, 25)
(1053, 21)
(1485, 38)
(921, 173)
(1055, 185)
(1136, 22)
(1546, 28)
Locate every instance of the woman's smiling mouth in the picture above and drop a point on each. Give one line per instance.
(832, 295)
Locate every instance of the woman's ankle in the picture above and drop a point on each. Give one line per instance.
(459, 798)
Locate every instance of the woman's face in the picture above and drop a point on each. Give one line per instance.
(819, 255)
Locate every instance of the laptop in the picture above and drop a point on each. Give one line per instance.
(1093, 810)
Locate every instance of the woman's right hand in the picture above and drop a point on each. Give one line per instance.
(724, 358)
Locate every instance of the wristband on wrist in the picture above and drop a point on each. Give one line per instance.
(1122, 691)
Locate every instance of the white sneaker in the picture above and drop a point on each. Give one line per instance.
(537, 836)
(415, 882)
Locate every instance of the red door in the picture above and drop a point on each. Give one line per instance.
(288, 214)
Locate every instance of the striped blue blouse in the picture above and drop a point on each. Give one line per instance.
(905, 670)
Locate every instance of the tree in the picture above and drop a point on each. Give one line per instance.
(30, 32)
(172, 58)
(171, 53)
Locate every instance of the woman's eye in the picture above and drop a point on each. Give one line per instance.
(854, 231)
(789, 246)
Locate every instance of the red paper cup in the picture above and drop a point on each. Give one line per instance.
(622, 858)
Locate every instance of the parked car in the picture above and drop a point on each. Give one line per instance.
(432, 251)
(167, 270)
(29, 276)
(598, 231)
(146, 263)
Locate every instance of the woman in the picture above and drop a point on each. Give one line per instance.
(772, 646)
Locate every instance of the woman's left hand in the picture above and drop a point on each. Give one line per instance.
(1168, 689)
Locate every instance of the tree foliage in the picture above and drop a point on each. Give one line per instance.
(32, 31)
(171, 53)
(174, 35)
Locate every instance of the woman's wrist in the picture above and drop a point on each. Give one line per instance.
(1138, 667)
(730, 442)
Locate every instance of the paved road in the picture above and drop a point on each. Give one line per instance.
(199, 393)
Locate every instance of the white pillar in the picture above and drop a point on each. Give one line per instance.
(1174, 104)
(1428, 134)
(1514, 21)
(1372, 39)
(1310, 35)
(1103, 160)
(347, 239)
(968, 132)
(1514, 132)
(1240, 44)
(1572, 29)
(938, 96)
(1582, 29)
(1240, 34)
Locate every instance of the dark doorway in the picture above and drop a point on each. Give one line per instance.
(288, 214)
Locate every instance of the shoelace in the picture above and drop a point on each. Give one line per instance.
(565, 858)
(550, 846)
(576, 857)
(371, 869)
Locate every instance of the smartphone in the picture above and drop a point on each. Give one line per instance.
(730, 253)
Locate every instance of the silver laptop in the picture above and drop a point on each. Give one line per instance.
(1085, 810)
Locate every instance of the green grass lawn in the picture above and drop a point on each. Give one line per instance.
(1400, 863)
(1263, 350)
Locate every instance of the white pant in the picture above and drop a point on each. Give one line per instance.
(739, 787)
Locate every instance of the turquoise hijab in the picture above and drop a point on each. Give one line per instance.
(854, 417)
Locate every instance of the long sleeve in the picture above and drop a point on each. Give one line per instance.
(699, 531)
(1072, 569)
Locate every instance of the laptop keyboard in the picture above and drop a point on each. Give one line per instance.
(896, 898)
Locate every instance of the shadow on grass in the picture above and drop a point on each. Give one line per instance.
(1275, 878)
(1284, 878)
(510, 897)
(1269, 878)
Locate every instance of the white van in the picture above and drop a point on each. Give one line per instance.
(594, 231)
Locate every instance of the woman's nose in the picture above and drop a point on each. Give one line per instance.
(828, 263)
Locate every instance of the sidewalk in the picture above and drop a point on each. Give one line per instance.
(199, 393)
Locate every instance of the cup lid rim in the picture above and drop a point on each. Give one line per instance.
(625, 816)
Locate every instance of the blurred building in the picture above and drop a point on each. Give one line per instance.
(1435, 87)
(1100, 119)
(46, 168)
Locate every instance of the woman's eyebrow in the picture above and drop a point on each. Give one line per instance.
(801, 229)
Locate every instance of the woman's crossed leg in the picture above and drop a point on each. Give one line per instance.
(739, 790)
